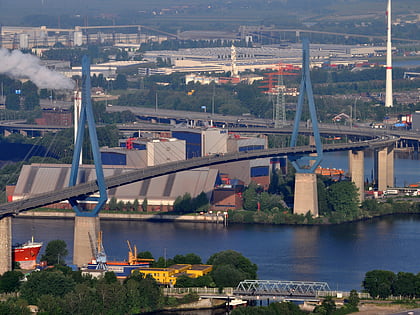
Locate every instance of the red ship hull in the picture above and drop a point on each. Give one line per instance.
(26, 254)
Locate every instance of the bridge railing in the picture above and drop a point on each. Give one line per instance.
(203, 291)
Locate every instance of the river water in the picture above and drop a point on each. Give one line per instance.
(339, 255)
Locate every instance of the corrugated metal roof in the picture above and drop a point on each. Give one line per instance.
(40, 178)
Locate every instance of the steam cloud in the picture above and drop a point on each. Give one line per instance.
(18, 65)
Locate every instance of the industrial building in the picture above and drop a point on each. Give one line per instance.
(144, 152)
(161, 192)
(202, 141)
(169, 276)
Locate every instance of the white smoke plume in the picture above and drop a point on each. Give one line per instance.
(19, 66)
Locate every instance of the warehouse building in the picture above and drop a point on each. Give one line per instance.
(161, 192)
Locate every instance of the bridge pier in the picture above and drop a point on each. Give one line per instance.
(356, 170)
(86, 230)
(5, 244)
(306, 194)
(384, 168)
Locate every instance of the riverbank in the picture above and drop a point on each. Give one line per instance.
(237, 216)
(200, 218)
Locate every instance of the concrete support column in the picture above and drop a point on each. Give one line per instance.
(5, 245)
(306, 194)
(381, 168)
(390, 167)
(86, 230)
(356, 170)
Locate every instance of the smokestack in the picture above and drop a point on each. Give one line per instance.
(77, 110)
(388, 91)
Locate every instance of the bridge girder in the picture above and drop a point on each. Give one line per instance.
(280, 288)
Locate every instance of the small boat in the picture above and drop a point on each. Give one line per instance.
(26, 253)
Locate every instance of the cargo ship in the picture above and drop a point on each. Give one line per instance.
(26, 254)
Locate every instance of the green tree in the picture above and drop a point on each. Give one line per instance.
(327, 306)
(10, 281)
(112, 297)
(145, 255)
(82, 300)
(136, 205)
(191, 259)
(121, 82)
(354, 299)
(342, 198)
(144, 205)
(231, 267)
(12, 101)
(46, 282)
(250, 197)
(404, 285)
(51, 304)
(13, 306)
(30, 94)
(378, 283)
(143, 293)
(112, 204)
(55, 253)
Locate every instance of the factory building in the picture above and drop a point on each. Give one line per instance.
(161, 192)
(55, 117)
(247, 171)
(169, 276)
(202, 141)
(144, 152)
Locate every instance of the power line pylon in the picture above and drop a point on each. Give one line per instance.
(276, 91)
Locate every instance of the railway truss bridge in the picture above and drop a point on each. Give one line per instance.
(280, 290)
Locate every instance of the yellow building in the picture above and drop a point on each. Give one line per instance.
(168, 276)
(199, 270)
(161, 275)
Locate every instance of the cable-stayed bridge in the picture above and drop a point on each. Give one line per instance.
(89, 188)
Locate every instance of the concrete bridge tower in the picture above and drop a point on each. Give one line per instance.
(5, 244)
(306, 192)
(86, 224)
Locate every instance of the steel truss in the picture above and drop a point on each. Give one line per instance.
(280, 288)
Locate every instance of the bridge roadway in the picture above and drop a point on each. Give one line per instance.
(325, 129)
(89, 188)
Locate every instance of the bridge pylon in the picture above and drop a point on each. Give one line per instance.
(86, 224)
(306, 193)
(5, 244)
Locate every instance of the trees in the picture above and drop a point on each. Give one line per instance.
(30, 94)
(121, 82)
(378, 283)
(40, 283)
(12, 101)
(10, 281)
(190, 258)
(342, 198)
(144, 205)
(55, 252)
(231, 267)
